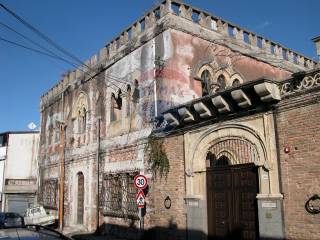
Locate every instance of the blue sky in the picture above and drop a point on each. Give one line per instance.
(84, 26)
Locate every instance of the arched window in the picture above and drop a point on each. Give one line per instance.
(221, 81)
(206, 78)
(80, 114)
(128, 100)
(236, 82)
(136, 92)
(82, 120)
(116, 105)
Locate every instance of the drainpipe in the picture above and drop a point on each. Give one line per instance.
(98, 170)
(62, 173)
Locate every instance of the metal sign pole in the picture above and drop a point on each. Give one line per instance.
(141, 223)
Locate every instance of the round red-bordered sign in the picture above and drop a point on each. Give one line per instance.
(140, 181)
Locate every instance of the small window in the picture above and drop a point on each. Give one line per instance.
(136, 92)
(221, 81)
(205, 77)
(116, 105)
(3, 140)
(128, 100)
(236, 82)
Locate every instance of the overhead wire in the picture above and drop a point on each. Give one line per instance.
(51, 53)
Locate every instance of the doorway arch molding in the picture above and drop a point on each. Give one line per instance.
(223, 132)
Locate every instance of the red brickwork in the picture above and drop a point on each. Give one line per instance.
(161, 223)
(298, 129)
(173, 220)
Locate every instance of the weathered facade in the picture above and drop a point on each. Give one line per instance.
(200, 71)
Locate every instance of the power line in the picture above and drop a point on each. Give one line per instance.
(31, 49)
(42, 35)
(37, 44)
(57, 46)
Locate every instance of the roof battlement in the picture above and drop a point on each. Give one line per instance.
(144, 29)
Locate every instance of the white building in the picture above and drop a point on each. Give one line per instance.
(18, 170)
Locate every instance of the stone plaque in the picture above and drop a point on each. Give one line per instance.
(268, 204)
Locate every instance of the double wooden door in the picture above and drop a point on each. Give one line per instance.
(232, 204)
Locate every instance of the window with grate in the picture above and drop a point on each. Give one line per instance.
(118, 196)
(50, 193)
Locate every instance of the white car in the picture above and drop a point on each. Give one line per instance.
(38, 215)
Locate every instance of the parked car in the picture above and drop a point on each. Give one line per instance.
(11, 220)
(38, 215)
(32, 232)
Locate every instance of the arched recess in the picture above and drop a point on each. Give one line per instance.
(80, 114)
(81, 103)
(236, 79)
(236, 150)
(218, 134)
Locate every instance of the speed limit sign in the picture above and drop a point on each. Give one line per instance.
(140, 181)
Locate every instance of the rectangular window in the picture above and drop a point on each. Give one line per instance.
(3, 140)
(50, 193)
(118, 196)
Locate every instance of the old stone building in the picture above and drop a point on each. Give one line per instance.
(230, 106)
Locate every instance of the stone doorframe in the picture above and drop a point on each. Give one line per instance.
(260, 133)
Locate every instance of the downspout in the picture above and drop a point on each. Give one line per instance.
(274, 112)
(98, 171)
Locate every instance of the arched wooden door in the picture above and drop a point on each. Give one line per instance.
(232, 187)
(80, 208)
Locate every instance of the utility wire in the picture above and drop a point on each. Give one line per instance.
(31, 49)
(36, 44)
(57, 46)
(42, 35)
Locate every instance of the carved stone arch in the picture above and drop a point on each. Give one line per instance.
(203, 68)
(205, 63)
(231, 156)
(220, 133)
(81, 103)
(234, 77)
(223, 71)
(239, 150)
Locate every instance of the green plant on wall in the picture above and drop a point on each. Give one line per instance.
(157, 157)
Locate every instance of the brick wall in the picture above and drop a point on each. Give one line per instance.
(170, 223)
(160, 223)
(298, 128)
